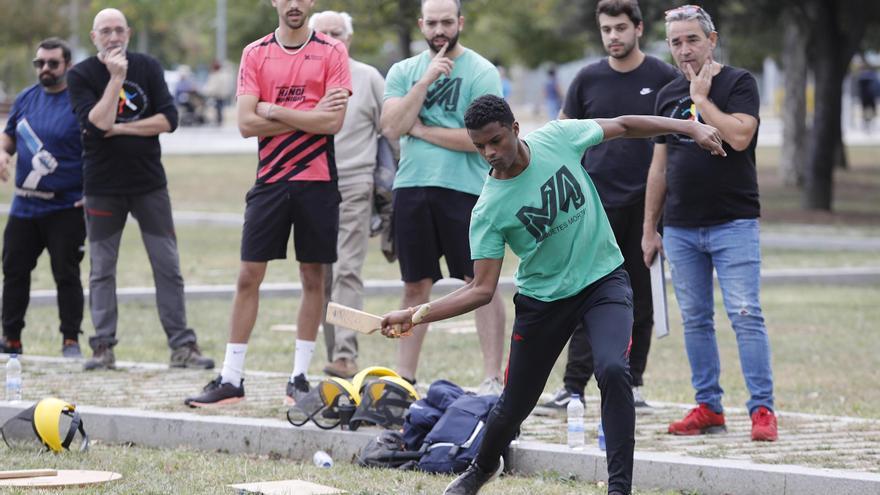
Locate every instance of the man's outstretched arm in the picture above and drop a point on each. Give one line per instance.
(645, 126)
(478, 292)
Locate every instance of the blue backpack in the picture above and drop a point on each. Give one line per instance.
(455, 440)
(423, 414)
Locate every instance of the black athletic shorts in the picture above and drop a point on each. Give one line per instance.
(310, 207)
(430, 222)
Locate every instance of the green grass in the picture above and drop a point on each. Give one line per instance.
(215, 183)
(146, 470)
(855, 194)
(822, 341)
(209, 254)
(823, 338)
(218, 183)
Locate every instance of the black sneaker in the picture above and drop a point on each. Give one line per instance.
(10, 346)
(470, 481)
(217, 393)
(296, 389)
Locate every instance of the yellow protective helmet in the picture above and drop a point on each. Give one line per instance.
(376, 392)
(328, 405)
(384, 402)
(334, 386)
(47, 423)
(373, 371)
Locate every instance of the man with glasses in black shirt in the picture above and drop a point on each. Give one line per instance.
(122, 103)
(710, 222)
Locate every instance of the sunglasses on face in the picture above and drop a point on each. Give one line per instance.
(40, 63)
(684, 10)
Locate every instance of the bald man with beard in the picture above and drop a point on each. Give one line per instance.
(122, 104)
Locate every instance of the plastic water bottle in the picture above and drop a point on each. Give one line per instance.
(575, 423)
(601, 436)
(322, 459)
(13, 379)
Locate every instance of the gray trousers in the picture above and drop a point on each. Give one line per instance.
(343, 283)
(105, 221)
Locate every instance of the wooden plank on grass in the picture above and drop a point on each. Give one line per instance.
(284, 487)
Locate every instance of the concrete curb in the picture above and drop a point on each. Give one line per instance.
(275, 437)
(831, 276)
(705, 476)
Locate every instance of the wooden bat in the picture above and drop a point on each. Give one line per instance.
(60, 478)
(361, 321)
(27, 473)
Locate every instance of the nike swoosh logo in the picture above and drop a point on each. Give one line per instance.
(645, 91)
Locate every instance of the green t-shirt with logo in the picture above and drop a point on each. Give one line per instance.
(423, 164)
(550, 215)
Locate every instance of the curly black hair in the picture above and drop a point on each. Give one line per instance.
(487, 109)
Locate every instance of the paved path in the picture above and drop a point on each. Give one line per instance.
(805, 440)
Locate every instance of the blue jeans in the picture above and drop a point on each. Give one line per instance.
(734, 251)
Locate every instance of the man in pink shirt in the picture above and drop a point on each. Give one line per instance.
(293, 87)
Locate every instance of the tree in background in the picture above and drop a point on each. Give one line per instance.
(835, 30)
(822, 35)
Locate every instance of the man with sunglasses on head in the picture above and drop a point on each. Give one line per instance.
(46, 207)
(710, 221)
(122, 103)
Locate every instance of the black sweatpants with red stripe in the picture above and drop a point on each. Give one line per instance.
(540, 332)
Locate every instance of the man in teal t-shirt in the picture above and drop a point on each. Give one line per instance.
(539, 201)
(440, 174)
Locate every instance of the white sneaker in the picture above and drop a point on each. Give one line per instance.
(490, 386)
(638, 399)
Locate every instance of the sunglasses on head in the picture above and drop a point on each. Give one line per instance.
(40, 63)
(686, 10)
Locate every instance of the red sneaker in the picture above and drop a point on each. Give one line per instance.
(764, 425)
(699, 420)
